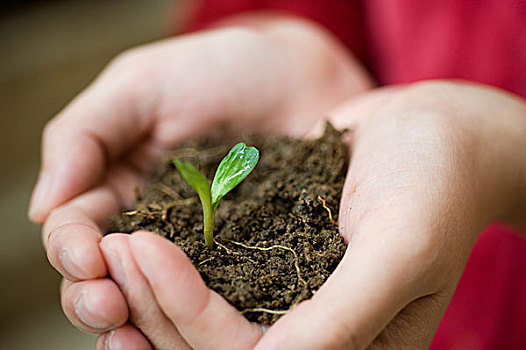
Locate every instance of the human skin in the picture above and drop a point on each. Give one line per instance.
(263, 72)
(433, 163)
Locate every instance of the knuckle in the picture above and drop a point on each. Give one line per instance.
(49, 130)
(71, 248)
(125, 58)
(54, 224)
(127, 62)
(54, 236)
(125, 73)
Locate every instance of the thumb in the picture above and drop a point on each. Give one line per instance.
(348, 312)
(368, 299)
(202, 317)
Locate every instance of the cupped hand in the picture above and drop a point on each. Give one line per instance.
(170, 305)
(102, 145)
(431, 165)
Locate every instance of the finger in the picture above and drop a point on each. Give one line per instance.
(100, 124)
(125, 337)
(71, 234)
(145, 313)
(204, 319)
(94, 306)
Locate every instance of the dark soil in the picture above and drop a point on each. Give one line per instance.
(276, 234)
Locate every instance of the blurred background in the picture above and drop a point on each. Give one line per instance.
(49, 51)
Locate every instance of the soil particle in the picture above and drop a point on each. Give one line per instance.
(276, 234)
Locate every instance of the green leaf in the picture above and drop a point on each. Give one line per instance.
(233, 169)
(198, 182)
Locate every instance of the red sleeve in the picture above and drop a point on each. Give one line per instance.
(342, 17)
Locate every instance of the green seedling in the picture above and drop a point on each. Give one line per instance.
(233, 169)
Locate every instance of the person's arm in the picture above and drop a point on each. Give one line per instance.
(279, 77)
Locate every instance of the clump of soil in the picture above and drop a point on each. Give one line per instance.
(276, 234)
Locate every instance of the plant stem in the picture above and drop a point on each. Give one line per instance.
(208, 223)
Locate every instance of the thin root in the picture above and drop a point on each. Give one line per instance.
(252, 261)
(298, 218)
(205, 261)
(296, 260)
(230, 251)
(166, 209)
(268, 311)
(324, 204)
(169, 191)
(173, 204)
(154, 206)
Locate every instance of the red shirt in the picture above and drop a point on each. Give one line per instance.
(408, 40)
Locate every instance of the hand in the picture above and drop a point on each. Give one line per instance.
(148, 100)
(432, 164)
(426, 175)
(170, 306)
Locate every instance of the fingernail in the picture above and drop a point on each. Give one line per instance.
(145, 255)
(71, 266)
(37, 204)
(107, 341)
(115, 265)
(84, 313)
